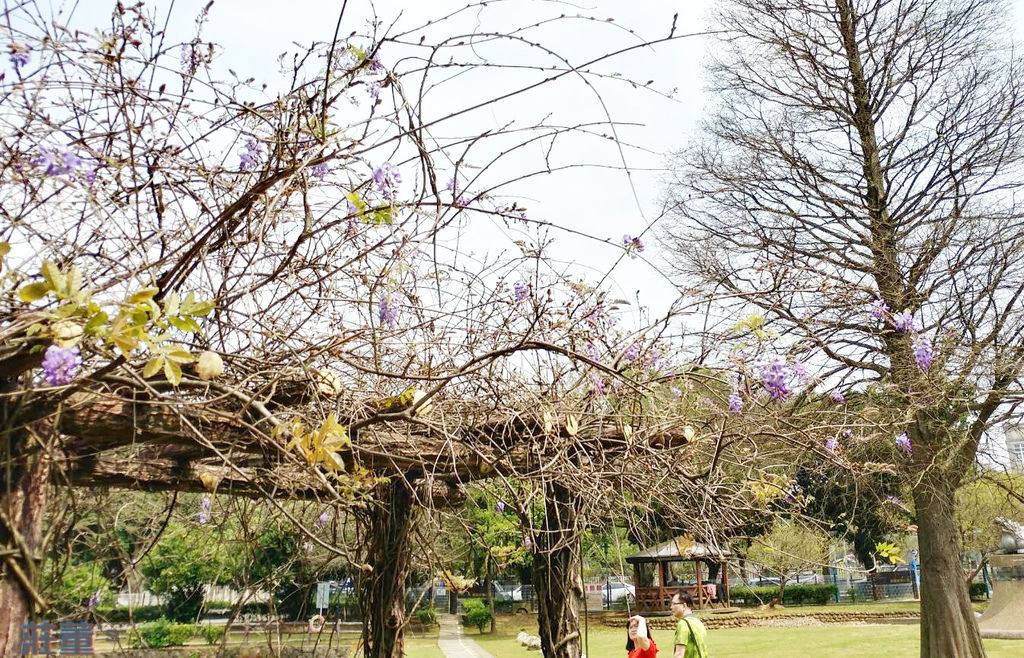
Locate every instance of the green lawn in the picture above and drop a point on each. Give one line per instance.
(891, 640)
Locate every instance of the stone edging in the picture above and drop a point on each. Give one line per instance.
(797, 619)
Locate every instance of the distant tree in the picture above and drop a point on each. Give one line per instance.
(859, 180)
(787, 548)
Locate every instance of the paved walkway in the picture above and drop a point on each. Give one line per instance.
(453, 643)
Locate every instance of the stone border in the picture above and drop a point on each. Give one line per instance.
(797, 619)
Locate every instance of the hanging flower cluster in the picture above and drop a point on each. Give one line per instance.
(249, 158)
(633, 245)
(61, 364)
(388, 312)
(903, 444)
(387, 178)
(903, 322)
(64, 162)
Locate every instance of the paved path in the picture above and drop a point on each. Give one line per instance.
(453, 643)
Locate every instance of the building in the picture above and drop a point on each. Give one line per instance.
(1015, 446)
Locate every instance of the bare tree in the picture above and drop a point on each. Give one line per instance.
(858, 181)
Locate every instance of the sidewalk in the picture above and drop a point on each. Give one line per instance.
(453, 643)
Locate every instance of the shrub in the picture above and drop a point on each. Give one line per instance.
(121, 615)
(979, 592)
(212, 634)
(476, 614)
(162, 633)
(427, 616)
(794, 595)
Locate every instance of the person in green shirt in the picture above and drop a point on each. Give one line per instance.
(691, 636)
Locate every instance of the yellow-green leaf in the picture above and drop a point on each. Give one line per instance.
(201, 308)
(143, 295)
(153, 366)
(97, 320)
(184, 323)
(172, 305)
(179, 354)
(33, 292)
(172, 371)
(53, 276)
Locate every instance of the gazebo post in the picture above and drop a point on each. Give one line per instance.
(725, 584)
(700, 585)
(636, 588)
(661, 584)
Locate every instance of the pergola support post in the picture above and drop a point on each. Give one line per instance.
(556, 573)
(383, 589)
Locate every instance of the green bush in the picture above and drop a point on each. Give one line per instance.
(212, 634)
(120, 615)
(251, 608)
(162, 633)
(794, 595)
(476, 614)
(979, 592)
(427, 616)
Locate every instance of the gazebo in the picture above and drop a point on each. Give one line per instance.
(661, 571)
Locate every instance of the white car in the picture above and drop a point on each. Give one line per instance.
(619, 591)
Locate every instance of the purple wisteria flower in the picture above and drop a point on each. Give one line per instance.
(204, 510)
(799, 371)
(191, 58)
(308, 547)
(633, 245)
(320, 171)
(879, 309)
(375, 65)
(903, 322)
(388, 312)
(893, 500)
(923, 353)
(837, 396)
(676, 392)
(735, 402)
(774, 376)
(632, 353)
(20, 55)
(500, 507)
(903, 444)
(593, 352)
(94, 600)
(250, 157)
(373, 89)
(599, 383)
(832, 445)
(61, 364)
(387, 179)
(64, 162)
(321, 521)
(521, 291)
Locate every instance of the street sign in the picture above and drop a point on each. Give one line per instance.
(323, 594)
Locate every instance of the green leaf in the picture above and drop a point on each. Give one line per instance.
(185, 323)
(73, 282)
(173, 372)
(202, 308)
(96, 320)
(53, 276)
(153, 366)
(144, 295)
(178, 354)
(171, 306)
(33, 292)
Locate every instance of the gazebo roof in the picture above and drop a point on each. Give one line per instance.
(680, 548)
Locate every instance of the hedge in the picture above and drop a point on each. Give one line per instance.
(793, 595)
(120, 615)
(979, 592)
(161, 633)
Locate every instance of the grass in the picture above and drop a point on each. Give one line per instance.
(893, 641)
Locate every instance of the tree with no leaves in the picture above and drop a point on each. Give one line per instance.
(857, 181)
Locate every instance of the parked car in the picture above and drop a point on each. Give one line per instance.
(617, 591)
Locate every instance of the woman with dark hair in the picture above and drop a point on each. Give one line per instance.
(639, 642)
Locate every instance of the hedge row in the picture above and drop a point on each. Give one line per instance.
(144, 613)
(793, 595)
(979, 592)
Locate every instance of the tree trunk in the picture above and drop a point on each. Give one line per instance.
(948, 627)
(23, 501)
(490, 594)
(383, 590)
(556, 569)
